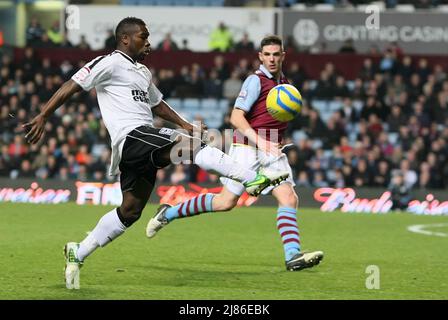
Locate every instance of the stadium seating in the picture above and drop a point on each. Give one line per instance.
(210, 109)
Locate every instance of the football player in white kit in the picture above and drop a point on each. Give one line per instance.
(128, 98)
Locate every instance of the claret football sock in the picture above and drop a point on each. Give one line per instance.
(214, 160)
(194, 206)
(289, 231)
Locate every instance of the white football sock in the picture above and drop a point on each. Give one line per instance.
(108, 228)
(216, 161)
(86, 247)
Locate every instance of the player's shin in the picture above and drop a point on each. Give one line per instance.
(108, 228)
(195, 206)
(289, 231)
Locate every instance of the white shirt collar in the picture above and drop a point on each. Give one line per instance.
(126, 56)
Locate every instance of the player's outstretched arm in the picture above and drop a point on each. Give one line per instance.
(167, 113)
(36, 126)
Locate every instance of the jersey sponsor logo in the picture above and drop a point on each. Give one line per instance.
(140, 95)
(166, 131)
(243, 94)
(82, 74)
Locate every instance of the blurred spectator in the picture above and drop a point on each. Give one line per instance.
(221, 66)
(409, 175)
(185, 46)
(167, 44)
(26, 171)
(324, 88)
(348, 47)
(232, 86)
(245, 44)
(381, 176)
(396, 50)
(65, 42)
(221, 39)
(290, 45)
(406, 69)
(302, 180)
(55, 35)
(83, 44)
(400, 193)
(34, 32)
(110, 43)
(213, 85)
(297, 74)
(388, 62)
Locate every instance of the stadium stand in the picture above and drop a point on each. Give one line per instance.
(331, 136)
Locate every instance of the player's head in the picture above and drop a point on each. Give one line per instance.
(132, 37)
(272, 54)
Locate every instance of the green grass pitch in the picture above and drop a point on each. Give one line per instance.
(236, 255)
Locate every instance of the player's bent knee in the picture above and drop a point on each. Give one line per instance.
(129, 216)
(289, 199)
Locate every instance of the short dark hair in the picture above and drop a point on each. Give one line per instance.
(271, 39)
(123, 26)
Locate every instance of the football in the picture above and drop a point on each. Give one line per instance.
(284, 102)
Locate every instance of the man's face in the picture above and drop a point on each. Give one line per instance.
(271, 56)
(139, 44)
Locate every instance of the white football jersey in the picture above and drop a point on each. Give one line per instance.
(125, 93)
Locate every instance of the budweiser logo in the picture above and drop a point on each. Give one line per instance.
(176, 194)
(34, 194)
(345, 198)
(430, 206)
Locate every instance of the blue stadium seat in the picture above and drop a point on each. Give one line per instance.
(224, 105)
(213, 123)
(313, 84)
(320, 105)
(209, 104)
(175, 103)
(129, 2)
(298, 135)
(334, 106)
(350, 84)
(393, 137)
(184, 3)
(201, 3)
(217, 3)
(147, 2)
(164, 2)
(325, 116)
(357, 105)
(191, 104)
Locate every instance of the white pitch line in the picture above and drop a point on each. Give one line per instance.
(418, 228)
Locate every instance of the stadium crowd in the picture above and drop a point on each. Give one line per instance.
(393, 118)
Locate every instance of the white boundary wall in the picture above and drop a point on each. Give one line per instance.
(194, 24)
